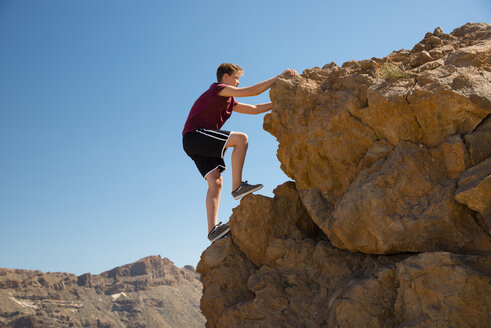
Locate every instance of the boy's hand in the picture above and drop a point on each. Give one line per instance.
(289, 72)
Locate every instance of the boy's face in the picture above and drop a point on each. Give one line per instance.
(233, 79)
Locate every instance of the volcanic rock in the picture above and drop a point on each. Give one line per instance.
(376, 160)
(387, 222)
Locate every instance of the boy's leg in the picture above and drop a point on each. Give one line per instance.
(239, 142)
(215, 181)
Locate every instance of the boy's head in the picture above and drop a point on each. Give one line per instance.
(229, 69)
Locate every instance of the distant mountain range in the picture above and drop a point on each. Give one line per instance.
(151, 292)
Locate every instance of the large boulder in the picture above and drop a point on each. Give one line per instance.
(276, 268)
(405, 204)
(376, 147)
(387, 222)
(429, 290)
(301, 280)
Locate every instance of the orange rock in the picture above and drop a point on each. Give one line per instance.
(390, 162)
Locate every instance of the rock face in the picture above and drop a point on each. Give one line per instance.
(388, 221)
(151, 292)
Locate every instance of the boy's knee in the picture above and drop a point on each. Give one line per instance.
(219, 182)
(215, 182)
(237, 139)
(244, 139)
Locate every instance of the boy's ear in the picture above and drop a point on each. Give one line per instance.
(224, 76)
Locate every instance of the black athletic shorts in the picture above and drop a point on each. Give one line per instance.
(206, 148)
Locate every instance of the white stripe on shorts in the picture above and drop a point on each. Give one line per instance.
(223, 149)
(213, 131)
(209, 135)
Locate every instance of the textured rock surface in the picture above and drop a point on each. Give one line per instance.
(388, 221)
(295, 272)
(474, 190)
(151, 292)
(377, 159)
(429, 290)
(298, 279)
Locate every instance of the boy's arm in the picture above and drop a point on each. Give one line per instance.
(252, 109)
(254, 90)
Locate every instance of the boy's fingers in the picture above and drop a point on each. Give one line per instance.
(290, 72)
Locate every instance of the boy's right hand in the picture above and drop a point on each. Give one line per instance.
(289, 72)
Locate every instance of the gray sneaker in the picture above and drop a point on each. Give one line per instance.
(219, 231)
(245, 189)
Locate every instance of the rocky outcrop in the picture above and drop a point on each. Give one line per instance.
(388, 221)
(474, 190)
(151, 292)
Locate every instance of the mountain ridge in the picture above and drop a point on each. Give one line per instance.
(150, 292)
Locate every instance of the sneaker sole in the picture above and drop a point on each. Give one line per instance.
(221, 235)
(247, 193)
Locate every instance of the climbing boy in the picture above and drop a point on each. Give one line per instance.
(206, 144)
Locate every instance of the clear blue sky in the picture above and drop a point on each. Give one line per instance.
(94, 95)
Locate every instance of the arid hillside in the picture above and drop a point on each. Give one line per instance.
(151, 293)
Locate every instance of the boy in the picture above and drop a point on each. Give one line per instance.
(205, 143)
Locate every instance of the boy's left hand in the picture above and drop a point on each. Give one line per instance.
(289, 72)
